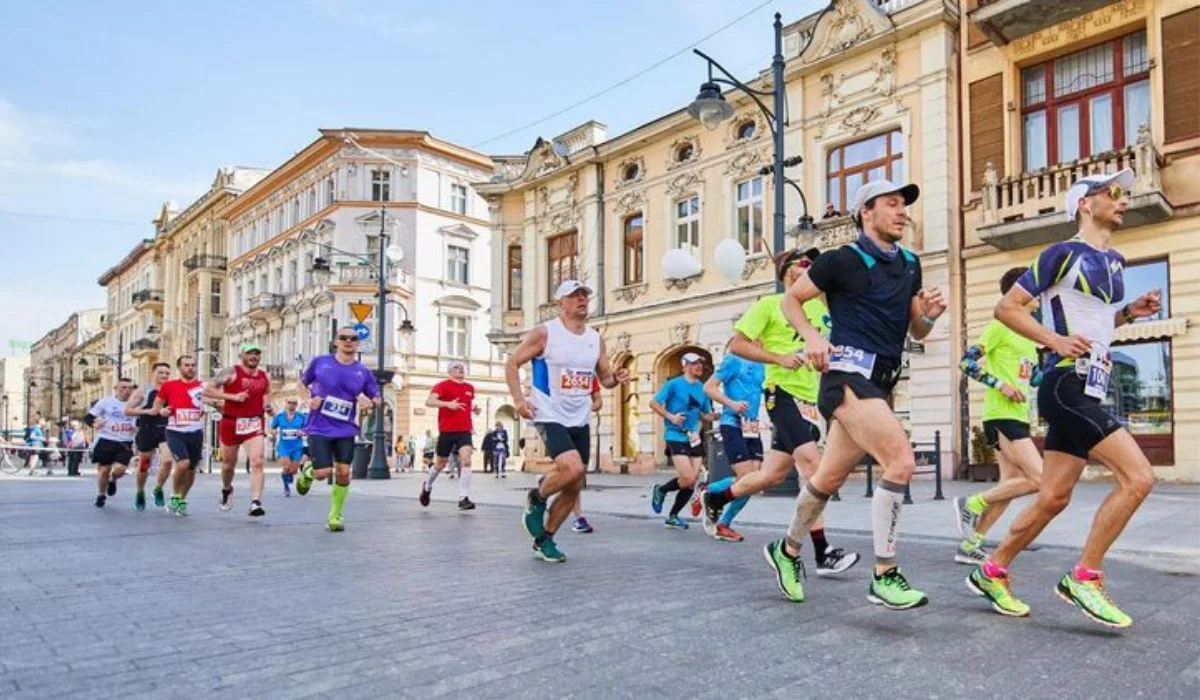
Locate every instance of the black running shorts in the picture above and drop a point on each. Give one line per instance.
(789, 429)
(148, 439)
(189, 446)
(681, 448)
(1012, 429)
(560, 439)
(1077, 422)
(109, 452)
(328, 451)
(451, 443)
(738, 447)
(833, 393)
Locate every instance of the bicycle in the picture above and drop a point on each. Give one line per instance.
(11, 460)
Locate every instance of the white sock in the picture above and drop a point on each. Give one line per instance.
(464, 481)
(430, 478)
(885, 515)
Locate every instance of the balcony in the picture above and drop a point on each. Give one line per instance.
(265, 305)
(206, 262)
(91, 376)
(364, 275)
(147, 298)
(829, 234)
(276, 372)
(1027, 209)
(144, 347)
(1004, 21)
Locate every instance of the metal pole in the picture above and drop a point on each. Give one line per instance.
(937, 462)
(777, 66)
(379, 468)
(199, 348)
(120, 355)
(62, 409)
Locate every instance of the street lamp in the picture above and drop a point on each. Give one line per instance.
(118, 358)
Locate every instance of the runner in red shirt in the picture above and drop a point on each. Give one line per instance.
(455, 400)
(185, 428)
(246, 391)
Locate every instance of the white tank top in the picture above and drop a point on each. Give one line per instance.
(563, 376)
(117, 426)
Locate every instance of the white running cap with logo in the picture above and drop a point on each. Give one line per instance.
(689, 358)
(878, 188)
(1084, 185)
(568, 287)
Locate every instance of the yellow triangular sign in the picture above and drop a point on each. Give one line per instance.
(360, 310)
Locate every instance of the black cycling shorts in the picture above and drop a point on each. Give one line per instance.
(1012, 429)
(789, 429)
(189, 446)
(109, 452)
(451, 443)
(832, 393)
(683, 448)
(738, 447)
(1077, 422)
(148, 439)
(328, 451)
(560, 439)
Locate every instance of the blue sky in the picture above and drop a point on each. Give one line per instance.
(109, 109)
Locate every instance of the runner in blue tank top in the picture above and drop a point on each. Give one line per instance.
(289, 444)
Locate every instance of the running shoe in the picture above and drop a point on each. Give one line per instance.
(465, 503)
(181, 509)
(835, 562)
(674, 522)
(304, 481)
(964, 518)
(581, 525)
(711, 515)
(697, 500)
(548, 551)
(789, 572)
(997, 591)
(173, 505)
(158, 497)
(656, 498)
(970, 554)
(139, 501)
(335, 523)
(423, 499)
(534, 519)
(227, 499)
(891, 590)
(727, 534)
(101, 500)
(1092, 598)
(257, 510)
(112, 487)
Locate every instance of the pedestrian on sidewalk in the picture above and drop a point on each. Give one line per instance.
(500, 451)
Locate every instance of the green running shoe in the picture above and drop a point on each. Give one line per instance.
(139, 501)
(173, 505)
(548, 551)
(1092, 598)
(158, 497)
(305, 480)
(534, 519)
(335, 524)
(891, 590)
(996, 590)
(181, 508)
(789, 572)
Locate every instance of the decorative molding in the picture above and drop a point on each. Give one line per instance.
(630, 293)
(673, 150)
(678, 333)
(754, 263)
(849, 23)
(1077, 29)
(622, 182)
(683, 182)
(760, 128)
(683, 283)
(622, 342)
(631, 201)
(745, 163)
(858, 119)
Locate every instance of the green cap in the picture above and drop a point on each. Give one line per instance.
(251, 347)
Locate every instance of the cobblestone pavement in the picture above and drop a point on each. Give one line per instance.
(428, 603)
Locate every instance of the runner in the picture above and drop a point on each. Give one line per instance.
(567, 356)
(454, 398)
(1008, 372)
(335, 384)
(114, 439)
(246, 391)
(764, 335)
(736, 385)
(289, 444)
(876, 298)
(182, 400)
(151, 437)
(1080, 283)
(682, 403)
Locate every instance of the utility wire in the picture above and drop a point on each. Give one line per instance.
(73, 219)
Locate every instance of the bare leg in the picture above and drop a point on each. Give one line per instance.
(1061, 474)
(254, 447)
(1135, 478)
(1020, 475)
(102, 474)
(561, 508)
(185, 476)
(842, 454)
(229, 458)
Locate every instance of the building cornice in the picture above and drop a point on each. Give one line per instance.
(131, 258)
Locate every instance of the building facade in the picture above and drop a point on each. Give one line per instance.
(135, 303)
(1055, 91)
(870, 91)
(52, 378)
(13, 387)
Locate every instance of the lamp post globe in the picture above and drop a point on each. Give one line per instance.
(710, 107)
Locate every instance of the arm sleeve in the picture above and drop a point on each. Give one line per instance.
(970, 366)
(1049, 267)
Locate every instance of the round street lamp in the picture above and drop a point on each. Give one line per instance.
(710, 106)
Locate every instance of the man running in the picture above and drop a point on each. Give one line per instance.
(335, 383)
(567, 356)
(736, 385)
(114, 439)
(289, 444)
(151, 437)
(246, 391)
(682, 403)
(454, 398)
(182, 400)
(1008, 371)
(875, 296)
(764, 335)
(1080, 283)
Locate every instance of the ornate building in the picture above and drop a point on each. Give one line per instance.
(135, 303)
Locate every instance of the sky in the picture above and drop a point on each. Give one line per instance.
(109, 109)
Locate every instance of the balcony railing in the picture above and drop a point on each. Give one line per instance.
(829, 233)
(206, 262)
(91, 376)
(265, 305)
(276, 372)
(368, 274)
(1004, 21)
(147, 296)
(143, 346)
(1027, 209)
(890, 6)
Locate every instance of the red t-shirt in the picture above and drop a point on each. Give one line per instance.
(451, 421)
(257, 384)
(183, 398)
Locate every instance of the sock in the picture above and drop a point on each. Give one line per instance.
(820, 544)
(430, 478)
(733, 509)
(1081, 573)
(809, 506)
(722, 485)
(670, 486)
(536, 495)
(993, 570)
(337, 499)
(547, 535)
(681, 499)
(464, 482)
(885, 515)
(287, 479)
(974, 540)
(976, 504)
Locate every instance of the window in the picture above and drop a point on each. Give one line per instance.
(330, 194)
(293, 277)
(687, 224)
(633, 260)
(215, 298)
(306, 344)
(750, 221)
(308, 269)
(853, 165)
(373, 250)
(746, 130)
(312, 200)
(458, 261)
(456, 336)
(516, 282)
(631, 172)
(296, 211)
(237, 301)
(214, 356)
(684, 153)
(381, 185)
(561, 260)
(279, 280)
(1085, 103)
(458, 199)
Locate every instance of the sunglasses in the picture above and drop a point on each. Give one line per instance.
(1115, 192)
(348, 338)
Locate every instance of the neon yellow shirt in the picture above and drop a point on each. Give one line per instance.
(765, 320)
(1010, 358)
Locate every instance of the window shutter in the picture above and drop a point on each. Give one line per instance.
(987, 127)
(1181, 78)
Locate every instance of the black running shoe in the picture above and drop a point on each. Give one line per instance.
(256, 509)
(227, 499)
(112, 487)
(424, 499)
(465, 503)
(101, 500)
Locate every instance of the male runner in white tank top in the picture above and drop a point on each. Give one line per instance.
(567, 355)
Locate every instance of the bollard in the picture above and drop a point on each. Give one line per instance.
(937, 474)
(908, 494)
(870, 477)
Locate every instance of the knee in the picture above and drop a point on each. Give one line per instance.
(1033, 482)
(1053, 503)
(900, 469)
(341, 474)
(1140, 483)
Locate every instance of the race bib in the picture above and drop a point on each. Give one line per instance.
(575, 382)
(123, 428)
(750, 429)
(289, 434)
(844, 358)
(694, 439)
(247, 426)
(1099, 369)
(1025, 373)
(337, 409)
(187, 417)
(809, 412)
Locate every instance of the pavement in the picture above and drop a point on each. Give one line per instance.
(421, 603)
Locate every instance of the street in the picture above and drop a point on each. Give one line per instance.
(412, 602)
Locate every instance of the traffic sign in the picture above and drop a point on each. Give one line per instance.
(360, 310)
(362, 330)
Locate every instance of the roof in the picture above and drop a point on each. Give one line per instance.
(130, 258)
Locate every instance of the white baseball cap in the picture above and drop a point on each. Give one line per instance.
(1091, 183)
(878, 188)
(568, 287)
(690, 357)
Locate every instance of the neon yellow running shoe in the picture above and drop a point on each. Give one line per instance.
(305, 480)
(1092, 598)
(997, 591)
(335, 523)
